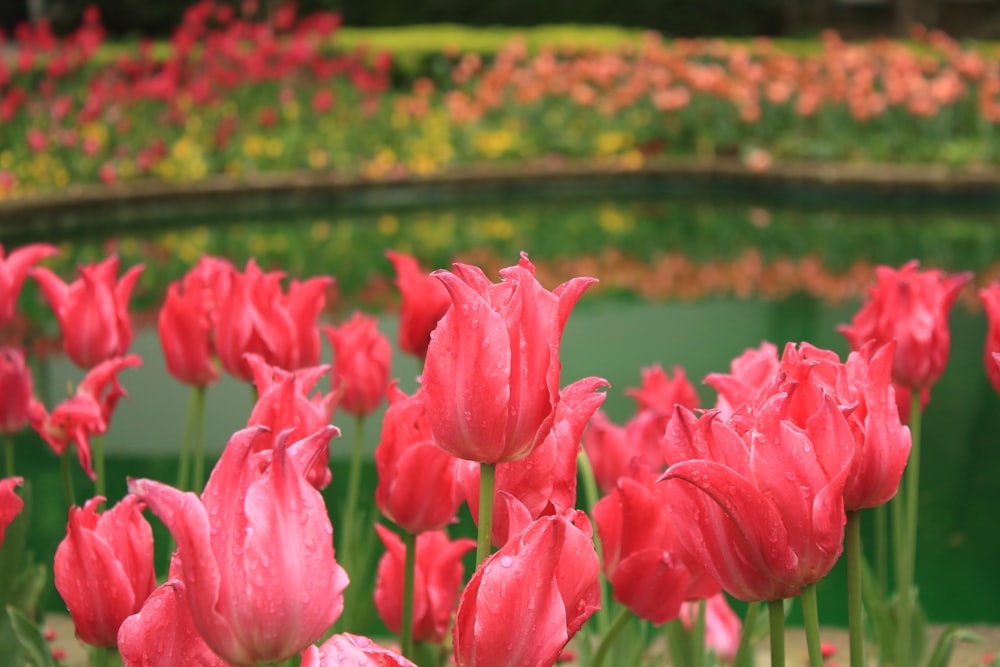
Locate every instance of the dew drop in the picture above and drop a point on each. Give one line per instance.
(506, 561)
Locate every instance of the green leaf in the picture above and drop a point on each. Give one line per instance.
(27, 588)
(14, 551)
(29, 635)
(946, 644)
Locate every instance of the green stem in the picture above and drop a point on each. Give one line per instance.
(67, 478)
(97, 450)
(698, 636)
(591, 496)
(744, 653)
(8, 446)
(622, 620)
(882, 549)
(184, 464)
(905, 508)
(198, 482)
(810, 617)
(99, 657)
(409, 576)
(854, 609)
(354, 478)
(487, 476)
(679, 644)
(776, 616)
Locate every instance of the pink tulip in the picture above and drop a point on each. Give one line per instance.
(437, 579)
(10, 503)
(256, 550)
(545, 481)
(104, 568)
(492, 370)
(92, 311)
(15, 378)
(990, 296)
(649, 569)
(417, 485)
(284, 403)
(13, 271)
(527, 600)
(255, 315)
(425, 301)
(748, 374)
(187, 321)
(84, 414)
(348, 649)
(760, 502)
(723, 629)
(912, 307)
(361, 359)
(610, 451)
(659, 392)
(162, 634)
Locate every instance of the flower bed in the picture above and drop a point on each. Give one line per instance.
(245, 95)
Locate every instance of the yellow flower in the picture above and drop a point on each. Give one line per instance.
(387, 225)
(611, 220)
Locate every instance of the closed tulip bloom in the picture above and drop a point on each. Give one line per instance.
(649, 569)
(545, 481)
(492, 370)
(660, 393)
(15, 378)
(348, 649)
(256, 550)
(760, 502)
(13, 270)
(10, 503)
(425, 301)
(437, 579)
(92, 311)
(186, 324)
(162, 634)
(283, 404)
(527, 600)
(417, 485)
(103, 568)
(84, 414)
(912, 307)
(990, 296)
(361, 360)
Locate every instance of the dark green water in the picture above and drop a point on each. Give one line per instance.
(612, 334)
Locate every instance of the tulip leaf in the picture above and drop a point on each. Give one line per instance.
(27, 588)
(14, 551)
(35, 648)
(877, 608)
(946, 644)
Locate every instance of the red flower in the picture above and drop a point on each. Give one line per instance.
(361, 359)
(912, 307)
(417, 486)
(348, 649)
(610, 451)
(544, 482)
(104, 568)
(437, 579)
(748, 374)
(13, 271)
(492, 370)
(84, 414)
(15, 378)
(760, 500)
(10, 503)
(990, 296)
(425, 301)
(650, 571)
(527, 600)
(92, 311)
(256, 550)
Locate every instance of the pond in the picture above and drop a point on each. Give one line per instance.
(687, 281)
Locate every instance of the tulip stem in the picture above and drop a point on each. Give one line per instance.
(99, 657)
(744, 653)
(810, 617)
(776, 616)
(8, 446)
(854, 608)
(199, 440)
(679, 644)
(622, 620)
(882, 548)
(67, 478)
(409, 576)
(905, 507)
(591, 495)
(97, 449)
(487, 476)
(354, 479)
(698, 635)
